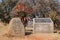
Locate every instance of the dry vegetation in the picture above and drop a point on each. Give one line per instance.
(45, 8)
(34, 37)
(3, 30)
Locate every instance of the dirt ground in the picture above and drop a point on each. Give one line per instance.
(42, 36)
(33, 37)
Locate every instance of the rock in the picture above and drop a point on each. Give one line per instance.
(43, 25)
(16, 27)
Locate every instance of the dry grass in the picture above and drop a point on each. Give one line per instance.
(43, 36)
(3, 28)
(33, 37)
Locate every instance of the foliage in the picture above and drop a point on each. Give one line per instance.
(40, 7)
(46, 6)
(5, 8)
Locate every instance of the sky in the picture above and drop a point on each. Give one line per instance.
(59, 0)
(0, 1)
